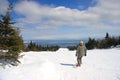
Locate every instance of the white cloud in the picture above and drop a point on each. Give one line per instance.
(3, 6)
(58, 16)
(108, 10)
(104, 16)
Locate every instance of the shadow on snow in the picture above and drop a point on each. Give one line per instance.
(66, 64)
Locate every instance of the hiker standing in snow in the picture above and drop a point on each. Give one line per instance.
(80, 52)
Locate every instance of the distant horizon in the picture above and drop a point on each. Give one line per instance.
(60, 43)
(76, 39)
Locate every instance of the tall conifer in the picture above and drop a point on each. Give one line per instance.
(11, 43)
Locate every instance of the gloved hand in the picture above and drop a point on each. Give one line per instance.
(76, 55)
(85, 54)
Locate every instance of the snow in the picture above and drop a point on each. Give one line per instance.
(99, 64)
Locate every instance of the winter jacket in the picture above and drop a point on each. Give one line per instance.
(81, 51)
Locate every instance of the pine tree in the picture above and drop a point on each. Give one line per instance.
(107, 35)
(10, 39)
(91, 44)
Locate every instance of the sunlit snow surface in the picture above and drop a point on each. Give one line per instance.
(99, 64)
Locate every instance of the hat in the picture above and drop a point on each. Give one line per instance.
(81, 42)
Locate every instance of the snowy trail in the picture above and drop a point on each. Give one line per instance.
(97, 65)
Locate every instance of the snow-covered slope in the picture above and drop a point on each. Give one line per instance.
(97, 65)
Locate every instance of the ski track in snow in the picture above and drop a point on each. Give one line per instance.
(97, 65)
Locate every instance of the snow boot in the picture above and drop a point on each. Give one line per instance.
(77, 65)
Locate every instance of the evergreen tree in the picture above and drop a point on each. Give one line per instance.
(32, 46)
(119, 40)
(91, 44)
(107, 35)
(10, 39)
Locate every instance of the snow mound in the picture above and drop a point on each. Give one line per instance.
(63, 50)
(32, 69)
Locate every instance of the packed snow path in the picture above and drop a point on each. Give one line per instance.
(97, 65)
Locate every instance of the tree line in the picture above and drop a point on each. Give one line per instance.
(32, 46)
(105, 43)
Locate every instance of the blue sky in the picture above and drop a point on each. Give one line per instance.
(65, 19)
(73, 4)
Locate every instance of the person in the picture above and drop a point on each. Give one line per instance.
(80, 52)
